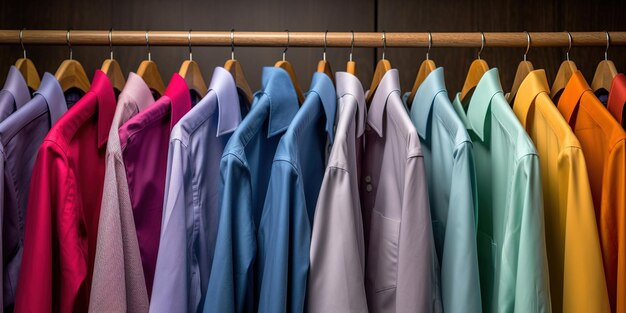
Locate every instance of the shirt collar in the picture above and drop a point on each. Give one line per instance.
(51, 91)
(103, 89)
(488, 86)
(533, 85)
(570, 98)
(136, 89)
(225, 89)
(323, 87)
(17, 87)
(617, 97)
(388, 84)
(283, 101)
(424, 99)
(457, 105)
(178, 93)
(348, 84)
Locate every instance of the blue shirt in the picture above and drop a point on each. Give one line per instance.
(189, 225)
(244, 177)
(449, 163)
(295, 181)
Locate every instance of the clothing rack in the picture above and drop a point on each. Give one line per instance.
(310, 39)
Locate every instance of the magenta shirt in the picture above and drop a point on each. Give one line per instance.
(144, 140)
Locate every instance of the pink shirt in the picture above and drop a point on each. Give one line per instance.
(144, 141)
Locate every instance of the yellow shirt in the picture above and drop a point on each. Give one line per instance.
(604, 143)
(577, 282)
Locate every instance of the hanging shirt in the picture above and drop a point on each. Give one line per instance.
(21, 134)
(119, 284)
(604, 144)
(617, 99)
(144, 142)
(244, 177)
(511, 242)
(336, 281)
(577, 281)
(64, 206)
(14, 94)
(295, 180)
(401, 273)
(449, 164)
(191, 193)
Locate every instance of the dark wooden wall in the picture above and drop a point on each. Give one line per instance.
(318, 15)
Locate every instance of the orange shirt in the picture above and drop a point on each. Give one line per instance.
(617, 99)
(604, 145)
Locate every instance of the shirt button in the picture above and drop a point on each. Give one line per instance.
(368, 178)
(368, 187)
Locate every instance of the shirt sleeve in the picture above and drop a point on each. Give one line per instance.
(524, 282)
(172, 279)
(43, 264)
(231, 280)
(284, 239)
(459, 265)
(337, 270)
(2, 215)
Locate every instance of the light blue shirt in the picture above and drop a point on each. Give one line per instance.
(295, 181)
(244, 178)
(190, 212)
(449, 163)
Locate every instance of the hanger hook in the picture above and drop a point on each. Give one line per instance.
(384, 45)
(232, 44)
(189, 43)
(569, 47)
(324, 54)
(22, 41)
(111, 42)
(148, 45)
(68, 39)
(482, 44)
(287, 46)
(430, 45)
(527, 44)
(608, 44)
(351, 45)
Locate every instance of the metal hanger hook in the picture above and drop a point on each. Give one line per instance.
(430, 45)
(325, 45)
(69, 41)
(482, 44)
(527, 44)
(22, 41)
(232, 44)
(569, 47)
(148, 45)
(111, 42)
(384, 45)
(287, 46)
(608, 44)
(351, 45)
(189, 43)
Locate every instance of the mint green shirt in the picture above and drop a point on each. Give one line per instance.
(449, 163)
(511, 243)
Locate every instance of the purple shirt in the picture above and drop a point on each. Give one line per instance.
(14, 94)
(144, 141)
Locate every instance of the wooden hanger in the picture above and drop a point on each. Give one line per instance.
(381, 68)
(426, 67)
(284, 64)
(112, 68)
(566, 70)
(71, 73)
(523, 69)
(235, 69)
(27, 68)
(149, 71)
(190, 71)
(605, 72)
(351, 66)
(323, 66)
(476, 71)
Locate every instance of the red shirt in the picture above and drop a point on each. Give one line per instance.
(617, 99)
(64, 206)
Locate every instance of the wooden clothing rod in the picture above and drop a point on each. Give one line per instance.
(309, 39)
